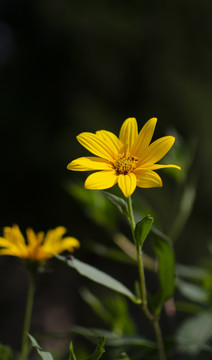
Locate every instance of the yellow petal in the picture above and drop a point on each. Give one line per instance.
(158, 166)
(111, 140)
(12, 248)
(101, 180)
(148, 179)
(34, 239)
(52, 236)
(127, 184)
(11, 252)
(4, 242)
(15, 237)
(13, 234)
(157, 150)
(128, 133)
(95, 145)
(144, 138)
(68, 243)
(89, 163)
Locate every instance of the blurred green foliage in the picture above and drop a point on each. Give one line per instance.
(5, 352)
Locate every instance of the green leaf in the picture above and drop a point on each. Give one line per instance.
(97, 305)
(191, 272)
(5, 352)
(96, 354)
(188, 307)
(98, 276)
(184, 209)
(110, 253)
(142, 229)
(98, 351)
(114, 339)
(112, 309)
(71, 351)
(118, 202)
(194, 333)
(166, 271)
(193, 291)
(45, 355)
(132, 341)
(122, 322)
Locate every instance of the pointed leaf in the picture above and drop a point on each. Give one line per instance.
(193, 292)
(165, 255)
(98, 276)
(98, 351)
(142, 229)
(192, 272)
(72, 355)
(109, 252)
(45, 355)
(97, 305)
(114, 339)
(194, 333)
(118, 202)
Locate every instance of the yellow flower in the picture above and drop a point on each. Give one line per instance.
(38, 247)
(129, 160)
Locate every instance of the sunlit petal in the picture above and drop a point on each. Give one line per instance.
(11, 252)
(4, 242)
(144, 138)
(89, 163)
(14, 236)
(148, 179)
(68, 243)
(157, 150)
(111, 140)
(158, 166)
(127, 184)
(128, 133)
(101, 180)
(32, 238)
(52, 236)
(95, 145)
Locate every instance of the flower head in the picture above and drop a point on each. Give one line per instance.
(39, 247)
(129, 160)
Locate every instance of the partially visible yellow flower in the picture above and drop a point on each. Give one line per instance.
(39, 247)
(129, 160)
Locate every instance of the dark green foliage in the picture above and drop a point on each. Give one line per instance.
(166, 271)
(45, 355)
(142, 229)
(6, 352)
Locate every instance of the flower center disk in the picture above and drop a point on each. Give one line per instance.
(125, 164)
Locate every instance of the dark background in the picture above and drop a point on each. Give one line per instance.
(68, 67)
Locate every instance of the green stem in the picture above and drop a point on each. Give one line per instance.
(143, 285)
(27, 320)
(131, 217)
(144, 303)
(159, 338)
